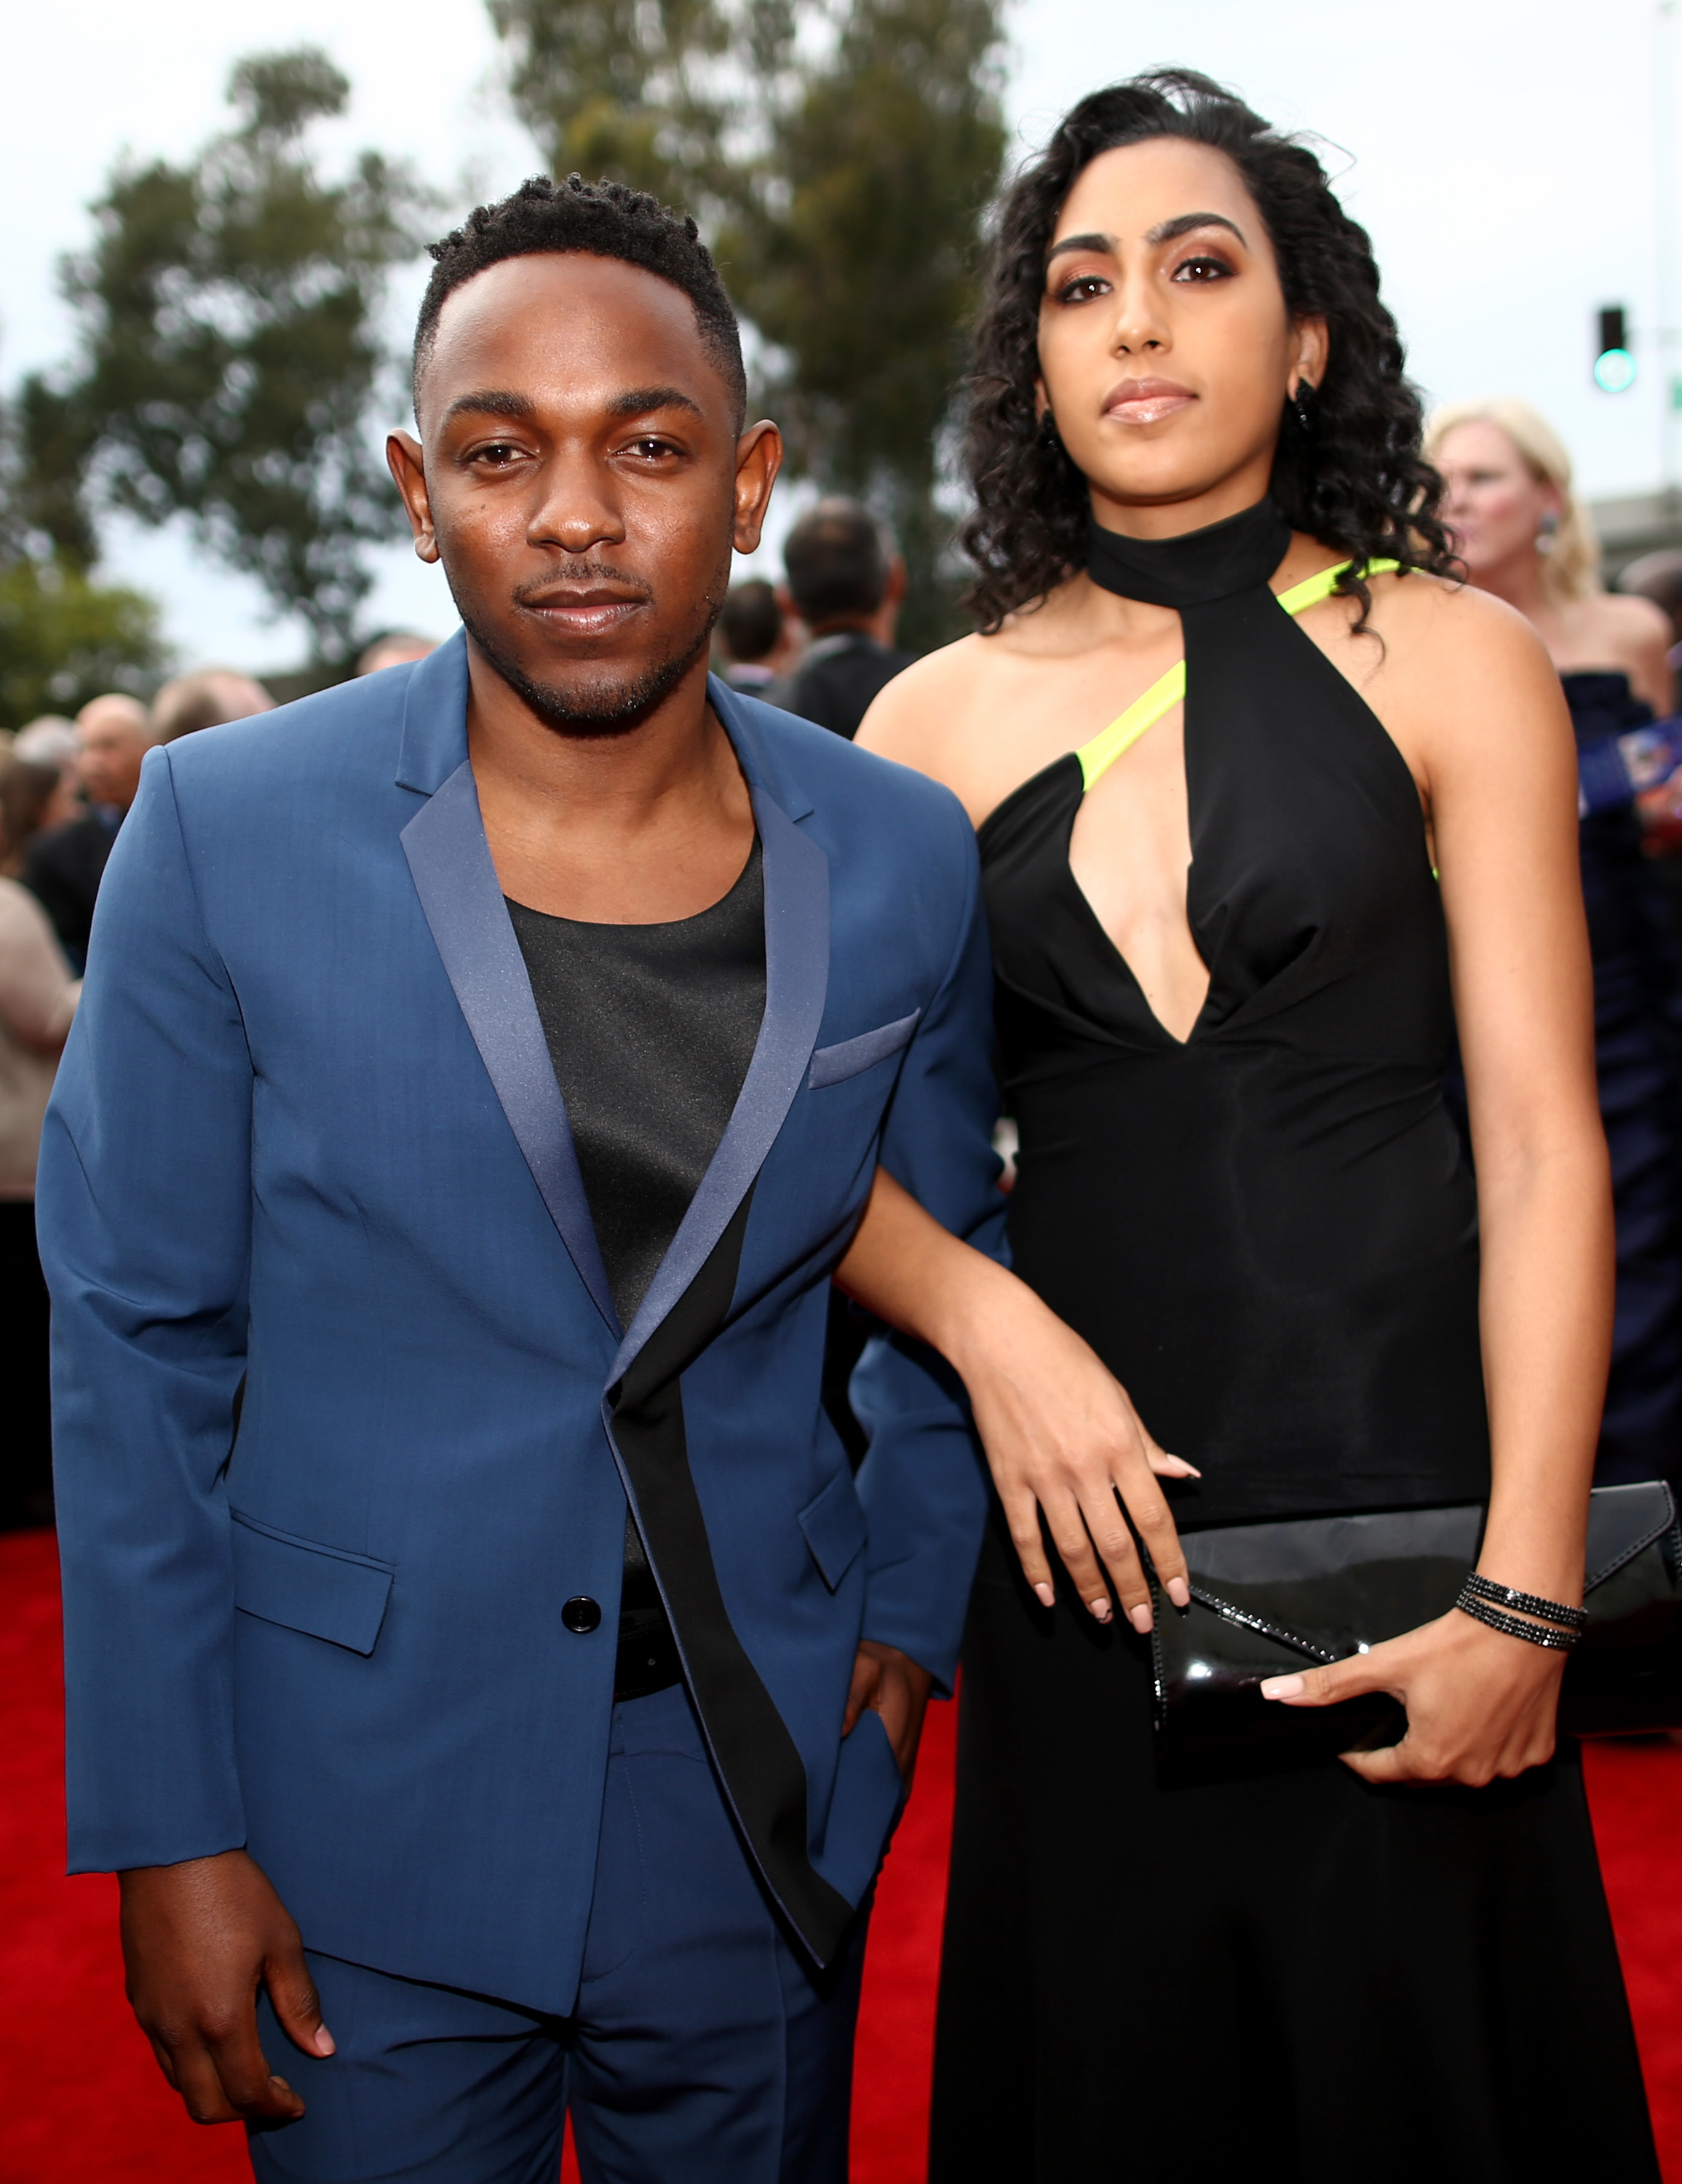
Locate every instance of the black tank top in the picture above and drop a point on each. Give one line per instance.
(1267, 1232)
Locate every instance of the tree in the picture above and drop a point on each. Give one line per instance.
(64, 638)
(230, 351)
(840, 169)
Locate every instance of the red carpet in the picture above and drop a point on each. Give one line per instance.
(82, 2101)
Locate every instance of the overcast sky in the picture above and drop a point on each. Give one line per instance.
(1502, 157)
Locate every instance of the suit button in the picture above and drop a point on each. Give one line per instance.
(581, 1614)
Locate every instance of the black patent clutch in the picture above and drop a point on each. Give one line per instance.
(1271, 1598)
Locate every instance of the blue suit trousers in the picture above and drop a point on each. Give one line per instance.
(703, 2049)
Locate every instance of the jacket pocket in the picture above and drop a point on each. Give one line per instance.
(322, 1592)
(830, 1064)
(835, 1528)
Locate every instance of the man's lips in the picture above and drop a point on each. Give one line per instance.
(585, 609)
(1146, 401)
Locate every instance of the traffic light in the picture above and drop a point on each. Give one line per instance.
(1614, 364)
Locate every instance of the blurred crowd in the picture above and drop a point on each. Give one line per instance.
(821, 644)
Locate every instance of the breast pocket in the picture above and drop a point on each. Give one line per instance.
(851, 1057)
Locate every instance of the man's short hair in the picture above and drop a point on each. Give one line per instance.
(205, 699)
(751, 621)
(603, 219)
(836, 561)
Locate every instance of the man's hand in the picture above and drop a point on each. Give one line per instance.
(198, 1941)
(891, 1684)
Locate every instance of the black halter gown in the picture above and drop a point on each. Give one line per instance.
(1268, 1233)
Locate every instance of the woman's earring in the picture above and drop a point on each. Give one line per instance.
(1048, 430)
(1547, 532)
(1303, 404)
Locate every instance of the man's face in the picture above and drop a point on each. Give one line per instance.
(583, 482)
(113, 740)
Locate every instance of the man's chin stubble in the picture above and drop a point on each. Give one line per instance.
(599, 704)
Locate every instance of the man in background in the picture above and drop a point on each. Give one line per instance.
(752, 637)
(206, 698)
(64, 865)
(396, 649)
(846, 585)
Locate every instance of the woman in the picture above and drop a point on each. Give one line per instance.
(1523, 537)
(37, 1000)
(1238, 1183)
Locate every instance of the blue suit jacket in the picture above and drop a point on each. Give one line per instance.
(307, 1134)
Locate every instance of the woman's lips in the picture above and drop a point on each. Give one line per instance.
(1147, 401)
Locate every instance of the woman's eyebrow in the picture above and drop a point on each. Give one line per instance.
(1168, 230)
(1171, 230)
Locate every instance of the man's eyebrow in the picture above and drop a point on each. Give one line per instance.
(1168, 230)
(638, 399)
(491, 402)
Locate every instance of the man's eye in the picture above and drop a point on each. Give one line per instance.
(498, 452)
(1203, 268)
(651, 449)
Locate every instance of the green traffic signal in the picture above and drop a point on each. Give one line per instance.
(1614, 364)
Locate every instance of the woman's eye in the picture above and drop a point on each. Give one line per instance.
(1203, 268)
(1082, 288)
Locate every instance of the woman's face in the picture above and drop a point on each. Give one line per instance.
(1166, 351)
(1494, 503)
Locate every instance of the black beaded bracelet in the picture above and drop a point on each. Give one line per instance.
(1513, 1626)
(1507, 1596)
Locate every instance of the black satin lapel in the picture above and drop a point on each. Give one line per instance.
(758, 1761)
(450, 862)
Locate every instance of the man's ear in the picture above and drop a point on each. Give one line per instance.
(894, 591)
(408, 469)
(759, 457)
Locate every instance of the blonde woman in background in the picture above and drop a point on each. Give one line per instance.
(1524, 535)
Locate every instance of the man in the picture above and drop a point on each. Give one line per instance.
(752, 634)
(63, 867)
(209, 697)
(484, 1067)
(396, 649)
(847, 588)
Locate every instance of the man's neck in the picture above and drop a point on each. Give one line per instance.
(641, 826)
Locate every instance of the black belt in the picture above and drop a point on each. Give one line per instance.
(647, 1661)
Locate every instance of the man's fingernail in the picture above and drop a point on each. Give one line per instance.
(325, 2042)
(1044, 1596)
(1284, 1687)
(1140, 1617)
(1179, 1592)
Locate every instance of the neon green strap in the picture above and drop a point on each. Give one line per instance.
(1106, 747)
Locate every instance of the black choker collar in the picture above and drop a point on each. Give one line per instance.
(1196, 567)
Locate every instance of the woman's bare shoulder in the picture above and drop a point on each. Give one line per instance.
(917, 717)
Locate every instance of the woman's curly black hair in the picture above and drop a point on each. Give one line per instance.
(1355, 478)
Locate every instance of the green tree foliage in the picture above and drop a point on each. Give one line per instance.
(64, 638)
(839, 163)
(230, 352)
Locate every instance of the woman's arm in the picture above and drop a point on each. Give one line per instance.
(38, 995)
(1046, 1409)
(1473, 690)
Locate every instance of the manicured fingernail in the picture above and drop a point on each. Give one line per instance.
(1101, 1607)
(1282, 1687)
(1044, 1596)
(325, 2042)
(1140, 1617)
(1179, 1592)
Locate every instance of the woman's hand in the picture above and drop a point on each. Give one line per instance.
(1480, 1704)
(1062, 1437)
(1058, 1431)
